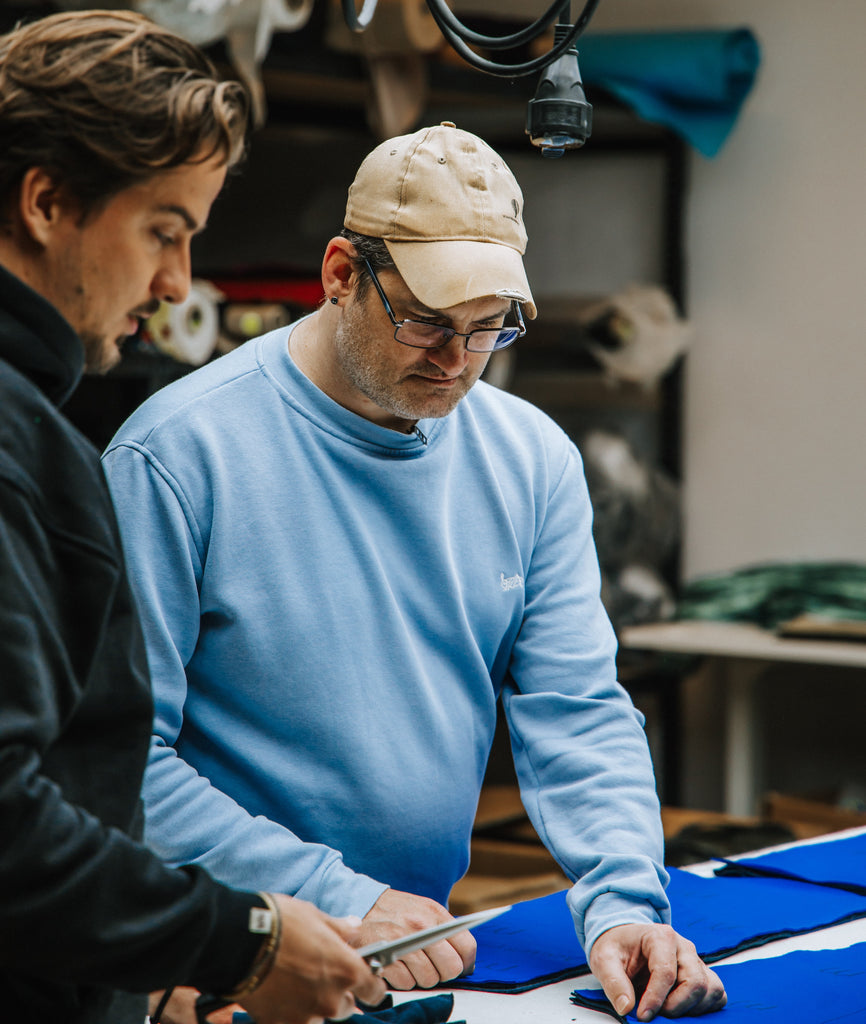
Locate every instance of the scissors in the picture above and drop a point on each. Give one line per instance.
(380, 955)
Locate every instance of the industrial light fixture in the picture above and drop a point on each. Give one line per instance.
(559, 116)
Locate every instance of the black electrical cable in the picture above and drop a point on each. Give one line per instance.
(456, 36)
(358, 22)
(156, 1016)
(525, 35)
(559, 116)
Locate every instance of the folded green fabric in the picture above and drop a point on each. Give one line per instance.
(768, 595)
(693, 82)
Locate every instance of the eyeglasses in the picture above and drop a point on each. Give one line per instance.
(418, 334)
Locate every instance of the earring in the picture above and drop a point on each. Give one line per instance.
(334, 300)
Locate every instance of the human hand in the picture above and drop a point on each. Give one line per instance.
(180, 1009)
(315, 973)
(653, 959)
(398, 913)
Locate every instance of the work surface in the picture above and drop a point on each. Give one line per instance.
(550, 1004)
(740, 640)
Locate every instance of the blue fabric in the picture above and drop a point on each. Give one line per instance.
(837, 862)
(745, 912)
(693, 82)
(529, 945)
(331, 610)
(804, 987)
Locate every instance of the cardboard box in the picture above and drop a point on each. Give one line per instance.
(509, 863)
(810, 816)
(505, 872)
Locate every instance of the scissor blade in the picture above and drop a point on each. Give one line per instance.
(389, 950)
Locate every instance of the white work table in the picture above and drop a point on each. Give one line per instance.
(739, 652)
(551, 1005)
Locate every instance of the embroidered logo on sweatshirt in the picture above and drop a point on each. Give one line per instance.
(510, 582)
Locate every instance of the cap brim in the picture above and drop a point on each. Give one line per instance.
(443, 274)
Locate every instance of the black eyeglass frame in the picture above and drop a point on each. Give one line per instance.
(511, 333)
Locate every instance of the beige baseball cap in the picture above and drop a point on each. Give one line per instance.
(450, 212)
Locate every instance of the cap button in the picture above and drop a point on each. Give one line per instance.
(447, 124)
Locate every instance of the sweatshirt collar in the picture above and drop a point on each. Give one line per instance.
(37, 340)
(335, 418)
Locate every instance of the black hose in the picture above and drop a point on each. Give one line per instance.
(458, 34)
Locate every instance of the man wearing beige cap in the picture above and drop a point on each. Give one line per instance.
(346, 550)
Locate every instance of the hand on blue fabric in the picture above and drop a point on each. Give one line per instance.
(654, 963)
(398, 913)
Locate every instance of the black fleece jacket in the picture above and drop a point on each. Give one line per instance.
(85, 909)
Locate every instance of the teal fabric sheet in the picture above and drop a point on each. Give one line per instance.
(534, 943)
(693, 82)
(805, 987)
(430, 1010)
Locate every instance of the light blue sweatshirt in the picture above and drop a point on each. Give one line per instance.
(332, 609)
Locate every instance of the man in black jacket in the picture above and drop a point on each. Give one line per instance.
(115, 138)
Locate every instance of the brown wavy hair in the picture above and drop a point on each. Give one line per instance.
(105, 99)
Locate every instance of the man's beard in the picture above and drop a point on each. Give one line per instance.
(100, 355)
(356, 355)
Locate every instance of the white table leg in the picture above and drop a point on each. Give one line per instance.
(741, 739)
